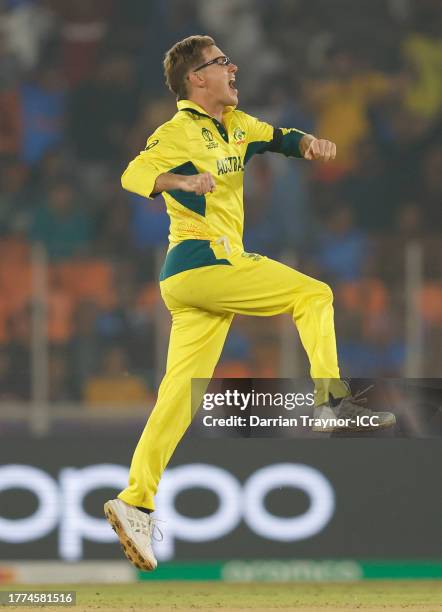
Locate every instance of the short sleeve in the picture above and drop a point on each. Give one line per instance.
(161, 154)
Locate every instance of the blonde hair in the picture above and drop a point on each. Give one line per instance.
(182, 57)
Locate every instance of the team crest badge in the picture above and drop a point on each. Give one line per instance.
(239, 135)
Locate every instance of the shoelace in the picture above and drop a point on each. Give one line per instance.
(147, 526)
(358, 401)
(154, 529)
(358, 397)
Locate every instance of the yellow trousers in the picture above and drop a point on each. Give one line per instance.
(203, 302)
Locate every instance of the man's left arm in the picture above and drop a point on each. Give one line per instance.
(262, 137)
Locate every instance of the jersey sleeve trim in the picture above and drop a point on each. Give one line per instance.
(284, 141)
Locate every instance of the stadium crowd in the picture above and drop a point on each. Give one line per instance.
(81, 88)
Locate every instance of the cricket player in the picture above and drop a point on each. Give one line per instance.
(197, 161)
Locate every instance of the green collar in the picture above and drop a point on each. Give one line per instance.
(195, 109)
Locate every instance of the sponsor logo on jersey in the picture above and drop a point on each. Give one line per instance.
(253, 256)
(229, 164)
(151, 145)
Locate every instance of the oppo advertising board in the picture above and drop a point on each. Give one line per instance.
(227, 498)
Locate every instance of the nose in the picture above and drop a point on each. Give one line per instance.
(233, 68)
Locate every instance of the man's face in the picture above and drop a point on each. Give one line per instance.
(218, 80)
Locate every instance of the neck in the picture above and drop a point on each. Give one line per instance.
(214, 109)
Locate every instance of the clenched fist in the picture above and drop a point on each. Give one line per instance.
(318, 148)
(198, 183)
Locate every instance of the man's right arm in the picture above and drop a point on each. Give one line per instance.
(198, 183)
(156, 169)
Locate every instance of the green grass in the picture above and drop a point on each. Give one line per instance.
(425, 596)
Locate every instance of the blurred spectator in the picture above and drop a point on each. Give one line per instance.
(164, 24)
(431, 305)
(232, 368)
(422, 49)
(10, 71)
(342, 101)
(291, 204)
(262, 231)
(129, 323)
(246, 41)
(387, 348)
(103, 109)
(8, 390)
(60, 313)
(128, 24)
(379, 352)
(367, 297)
(43, 101)
(236, 354)
(84, 347)
(368, 187)
(10, 123)
(55, 163)
(430, 193)
(266, 357)
(59, 377)
(151, 114)
(410, 222)
(113, 238)
(85, 279)
(411, 137)
(342, 247)
(83, 28)
(149, 225)
(237, 346)
(63, 228)
(27, 24)
(18, 349)
(114, 385)
(15, 194)
(290, 107)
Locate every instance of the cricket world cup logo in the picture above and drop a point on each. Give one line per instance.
(208, 137)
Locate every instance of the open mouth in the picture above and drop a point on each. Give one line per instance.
(232, 85)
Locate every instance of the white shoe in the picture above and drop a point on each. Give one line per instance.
(135, 530)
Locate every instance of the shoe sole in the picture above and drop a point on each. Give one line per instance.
(353, 429)
(129, 548)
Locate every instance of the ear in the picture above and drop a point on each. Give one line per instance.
(196, 79)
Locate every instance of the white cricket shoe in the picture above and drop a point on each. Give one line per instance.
(351, 415)
(135, 530)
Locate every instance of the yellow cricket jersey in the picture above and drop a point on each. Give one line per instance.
(193, 142)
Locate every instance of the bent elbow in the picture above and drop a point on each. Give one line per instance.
(138, 179)
(125, 180)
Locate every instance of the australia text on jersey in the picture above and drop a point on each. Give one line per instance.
(229, 164)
